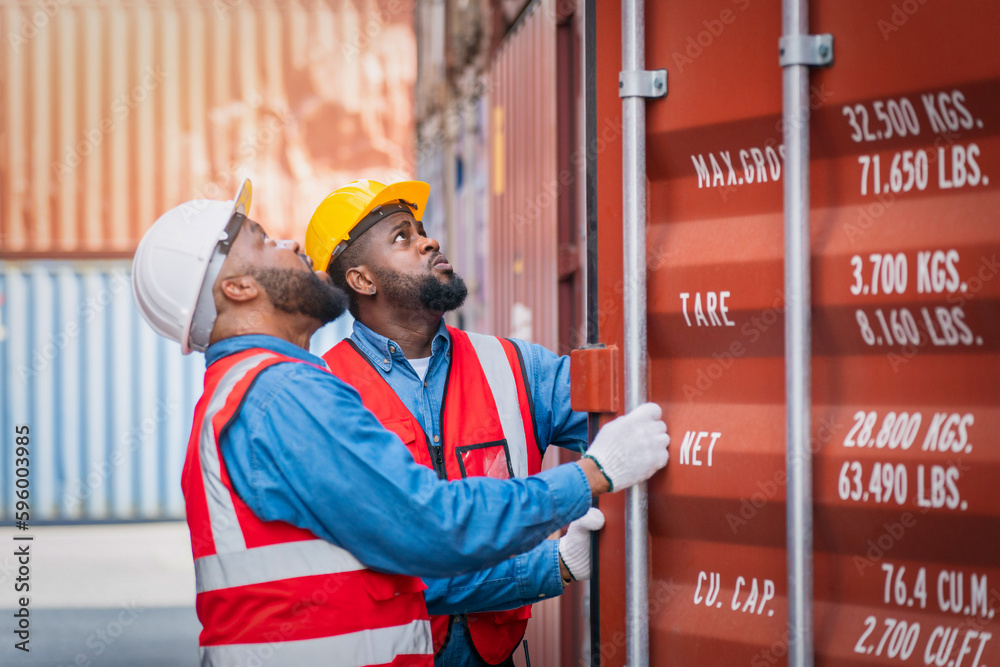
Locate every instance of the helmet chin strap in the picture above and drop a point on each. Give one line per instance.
(203, 320)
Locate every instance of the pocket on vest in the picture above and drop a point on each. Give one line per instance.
(382, 586)
(486, 459)
(402, 428)
(512, 616)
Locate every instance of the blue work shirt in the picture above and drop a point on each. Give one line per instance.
(528, 577)
(303, 449)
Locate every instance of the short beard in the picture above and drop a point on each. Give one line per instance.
(427, 293)
(301, 293)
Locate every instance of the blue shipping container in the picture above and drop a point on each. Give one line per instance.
(107, 401)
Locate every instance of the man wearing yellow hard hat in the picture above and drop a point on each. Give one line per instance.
(464, 404)
(309, 521)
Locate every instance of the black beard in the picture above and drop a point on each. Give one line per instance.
(426, 293)
(298, 292)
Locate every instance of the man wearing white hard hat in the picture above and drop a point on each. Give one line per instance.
(309, 523)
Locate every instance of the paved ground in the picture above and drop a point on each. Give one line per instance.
(118, 595)
(152, 637)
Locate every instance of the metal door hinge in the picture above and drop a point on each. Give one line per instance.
(594, 373)
(809, 50)
(642, 83)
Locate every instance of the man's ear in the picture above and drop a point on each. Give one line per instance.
(359, 279)
(240, 288)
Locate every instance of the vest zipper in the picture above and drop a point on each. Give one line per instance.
(437, 452)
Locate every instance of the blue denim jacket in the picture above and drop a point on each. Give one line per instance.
(303, 449)
(531, 576)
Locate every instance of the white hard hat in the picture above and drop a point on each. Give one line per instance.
(177, 262)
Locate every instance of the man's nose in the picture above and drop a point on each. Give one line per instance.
(290, 245)
(430, 245)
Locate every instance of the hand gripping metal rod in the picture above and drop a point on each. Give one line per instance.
(798, 352)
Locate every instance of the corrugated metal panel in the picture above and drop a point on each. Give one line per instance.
(907, 536)
(431, 169)
(471, 249)
(113, 112)
(542, 635)
(522, 274)
(108, 402)
(453, 156)
(524, 181)
(949, 497)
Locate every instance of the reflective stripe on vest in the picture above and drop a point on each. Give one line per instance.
(496, 401)
(500, 377)
(289, 578)
(357, 649)
(271, 563)
(226, 531)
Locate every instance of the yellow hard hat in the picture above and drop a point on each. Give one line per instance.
(348, 209)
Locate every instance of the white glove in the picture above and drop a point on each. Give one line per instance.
(574, 546)
(629, 449)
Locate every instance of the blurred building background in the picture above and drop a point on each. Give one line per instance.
(500, 130)
(112, 111)
(500, 138)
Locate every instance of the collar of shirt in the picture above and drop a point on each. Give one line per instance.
(383, 351)
(229, 346)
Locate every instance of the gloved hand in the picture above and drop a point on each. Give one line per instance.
(629, 449)
(574, 546)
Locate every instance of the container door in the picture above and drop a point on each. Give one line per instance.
(904, 185)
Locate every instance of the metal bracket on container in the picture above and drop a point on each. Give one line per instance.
(642, 83)
(594, 369)
(809, 50)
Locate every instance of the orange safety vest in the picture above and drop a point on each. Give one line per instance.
(487, 429)
(270, 588)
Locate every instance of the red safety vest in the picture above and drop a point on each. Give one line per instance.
(267, 588)
(487, 429)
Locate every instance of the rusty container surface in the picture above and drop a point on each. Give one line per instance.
(112, 112)
(523, 279)
(905, 170)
